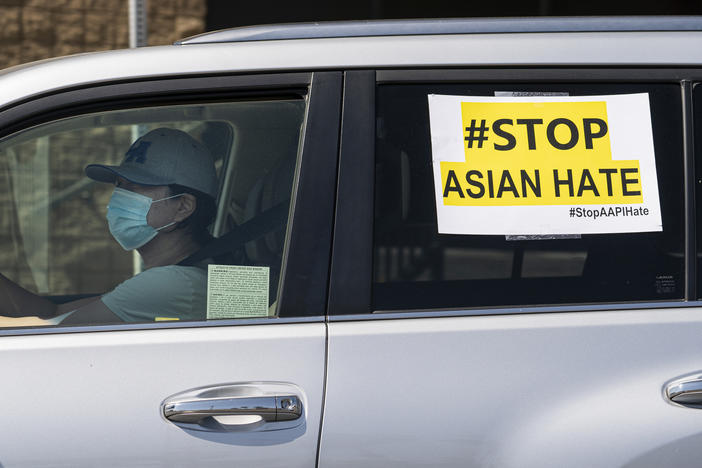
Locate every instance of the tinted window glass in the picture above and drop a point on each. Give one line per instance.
(417, 268)
(56, 243)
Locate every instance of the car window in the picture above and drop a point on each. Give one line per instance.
(417, 267)
(57, 244)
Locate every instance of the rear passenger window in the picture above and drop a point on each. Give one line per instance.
(416, 267)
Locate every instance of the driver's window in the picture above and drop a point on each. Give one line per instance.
(56, 243)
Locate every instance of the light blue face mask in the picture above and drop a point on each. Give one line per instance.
(126, 216)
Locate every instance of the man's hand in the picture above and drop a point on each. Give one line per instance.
(23, 322)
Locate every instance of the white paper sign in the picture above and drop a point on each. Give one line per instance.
(236, 291)
(544, 164)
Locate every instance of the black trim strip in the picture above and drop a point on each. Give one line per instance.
(352, 259)
(466, 74)
(306, 272)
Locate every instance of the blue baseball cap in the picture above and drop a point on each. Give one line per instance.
(163, 156)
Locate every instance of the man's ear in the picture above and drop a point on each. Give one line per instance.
(186, 207)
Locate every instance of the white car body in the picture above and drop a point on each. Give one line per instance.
(577, 385)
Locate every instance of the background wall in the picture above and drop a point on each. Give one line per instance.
(225, 13)
(37, 29)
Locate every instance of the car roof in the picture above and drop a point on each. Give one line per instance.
(635, 47)
(447, 26)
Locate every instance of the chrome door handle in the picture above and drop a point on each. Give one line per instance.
(686, 392)
(235, 407)
(269, 408)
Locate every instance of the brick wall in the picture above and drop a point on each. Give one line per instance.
(38, 29)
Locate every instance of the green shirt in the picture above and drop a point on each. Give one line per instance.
(167, 292)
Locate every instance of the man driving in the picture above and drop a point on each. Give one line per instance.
(162, 205)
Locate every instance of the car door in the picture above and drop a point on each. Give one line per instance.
(497, 350)
(243, 387)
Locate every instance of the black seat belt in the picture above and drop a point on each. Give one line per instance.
(250, 230)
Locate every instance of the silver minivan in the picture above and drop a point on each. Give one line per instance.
(394, 328)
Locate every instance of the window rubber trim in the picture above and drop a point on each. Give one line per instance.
(542, 74)
(690, 245)
(505, 311)
(158, 91)
(120, 327)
